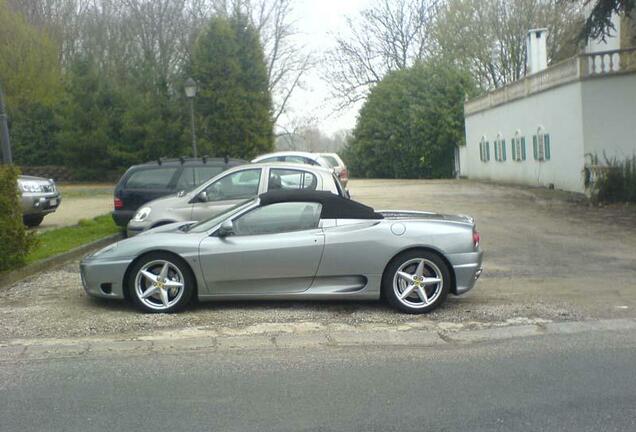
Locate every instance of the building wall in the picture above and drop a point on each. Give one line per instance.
(609, 116)
(558, 111)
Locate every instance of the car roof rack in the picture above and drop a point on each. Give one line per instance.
(184, 159)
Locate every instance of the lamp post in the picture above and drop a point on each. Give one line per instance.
(4, 133)
(191, 92)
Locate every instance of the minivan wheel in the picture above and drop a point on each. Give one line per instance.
(416, 282)
(161, 282)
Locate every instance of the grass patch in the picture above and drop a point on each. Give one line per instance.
(90, 190)
(57, 241)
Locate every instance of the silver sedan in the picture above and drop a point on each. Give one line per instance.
(229, 188)
(293, 245)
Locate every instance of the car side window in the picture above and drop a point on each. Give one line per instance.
(295, 159)
(237, 185)
(272, 159)
(291, 179)
(279, 218)
(151, 178)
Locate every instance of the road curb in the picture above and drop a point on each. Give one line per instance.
(212, 341)
(14, 276)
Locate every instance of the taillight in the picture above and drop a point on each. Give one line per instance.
(119, 204)
(476, 237)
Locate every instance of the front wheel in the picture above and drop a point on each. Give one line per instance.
(416, 281)
(161, 282)
(32, 220)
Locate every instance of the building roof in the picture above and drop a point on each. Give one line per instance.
(333, 206)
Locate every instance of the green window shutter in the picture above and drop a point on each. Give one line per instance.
(503, 150)
(514, 150)
(487, 150)
(534, 147)
(546, 144)
(523, 148)
(497, 150)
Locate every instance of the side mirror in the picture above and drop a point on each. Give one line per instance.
(226, 229)
(202, 196)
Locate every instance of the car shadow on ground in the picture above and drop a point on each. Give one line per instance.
(254, 305)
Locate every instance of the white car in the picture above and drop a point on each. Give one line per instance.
(339, 167)
(326, 160)
(294, 157)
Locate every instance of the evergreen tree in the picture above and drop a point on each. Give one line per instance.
(410, 124)
(89, 120)
(233, 105)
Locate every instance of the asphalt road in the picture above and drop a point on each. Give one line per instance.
(580, 382)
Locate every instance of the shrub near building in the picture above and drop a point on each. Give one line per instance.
(410, 124)
(15, 240)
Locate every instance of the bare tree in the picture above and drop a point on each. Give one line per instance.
(488, 37)
(391, 35)
(155, 25)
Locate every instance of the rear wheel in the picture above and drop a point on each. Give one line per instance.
(416, 281)
(161, 282)
(32, 220)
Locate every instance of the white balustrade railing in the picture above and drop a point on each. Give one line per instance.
(570, 70)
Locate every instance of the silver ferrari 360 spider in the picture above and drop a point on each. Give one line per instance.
(293, 245)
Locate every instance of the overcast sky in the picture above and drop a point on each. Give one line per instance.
(317, 21)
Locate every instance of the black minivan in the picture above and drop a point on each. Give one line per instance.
(152, 180)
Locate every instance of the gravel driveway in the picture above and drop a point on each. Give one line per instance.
(80, 201)
(546, 259)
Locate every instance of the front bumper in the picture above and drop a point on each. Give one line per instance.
(134, 229)
(103, 278)
(467, 267)
(39, 203)
(122, 217)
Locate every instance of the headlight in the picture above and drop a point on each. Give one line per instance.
(30, 186)
(142, 214)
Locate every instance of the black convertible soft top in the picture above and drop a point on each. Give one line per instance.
(333, 206)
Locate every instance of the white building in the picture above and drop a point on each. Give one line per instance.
(542, 130)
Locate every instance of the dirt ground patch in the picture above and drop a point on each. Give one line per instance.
(80, 201)
(545, 258)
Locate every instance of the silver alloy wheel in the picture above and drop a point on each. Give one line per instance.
(159, 285)
(418, 283)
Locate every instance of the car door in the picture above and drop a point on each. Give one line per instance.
(275, 249)
(354, 247)
(227, 191)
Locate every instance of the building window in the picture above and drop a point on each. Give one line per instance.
(484, 150)
(541, 145)
(518, 147)
(500, 148)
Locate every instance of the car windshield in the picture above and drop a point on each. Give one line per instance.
(207, 224)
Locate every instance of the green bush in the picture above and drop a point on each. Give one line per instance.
(15, 240)
(410, 124)
(619, 182)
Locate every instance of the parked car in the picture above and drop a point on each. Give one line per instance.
(338, 166)
(293, 245)
(39, 197)
(294, 157)
(230, 187)
(152, 180)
